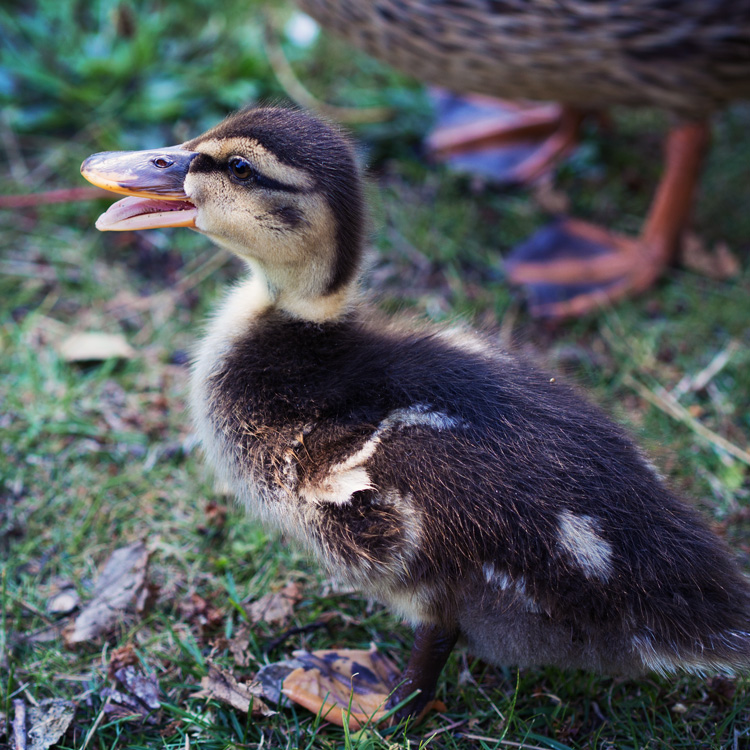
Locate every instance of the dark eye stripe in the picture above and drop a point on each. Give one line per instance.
(205, 164)
(243, 172)
(271, 184)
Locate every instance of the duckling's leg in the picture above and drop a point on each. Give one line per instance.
(432, 647)
(571, 267)
(510, 142)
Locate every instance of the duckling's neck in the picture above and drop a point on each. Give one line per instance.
(296, 297)
(318, 309)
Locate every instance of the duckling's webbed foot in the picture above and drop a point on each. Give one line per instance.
(432, 647)
(509, 142)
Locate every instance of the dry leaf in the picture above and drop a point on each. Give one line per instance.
(46, 634)
(139, 695)
(345, 685)
(120, 586)
(719, 263)
(95, 347)
(122, 657)
(147, 596)
(44, 724)
(201, 613)
(240, 646)
(271, 679)
(63, 602)
(222, 686)
(215, 517)
(275, 608)
(142, 686)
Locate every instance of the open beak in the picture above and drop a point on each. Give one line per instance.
(154, 180)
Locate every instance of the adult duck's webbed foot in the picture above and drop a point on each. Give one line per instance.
(571, 267)
(510, 142)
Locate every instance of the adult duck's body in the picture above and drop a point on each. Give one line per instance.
(688, 57)
(467, 491)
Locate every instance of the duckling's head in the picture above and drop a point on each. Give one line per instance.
(277, 187)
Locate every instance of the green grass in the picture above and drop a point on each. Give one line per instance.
(94, 457)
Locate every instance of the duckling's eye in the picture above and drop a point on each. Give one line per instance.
(241, 168)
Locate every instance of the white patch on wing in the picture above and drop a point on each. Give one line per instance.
(418, 415)
(578, 536)
(517, 588)
(501, 581)
(489, 572)
(350, 475)
(528, 601)
(338, 486)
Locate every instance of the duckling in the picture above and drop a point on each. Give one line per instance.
(686, 57)
(467, 491)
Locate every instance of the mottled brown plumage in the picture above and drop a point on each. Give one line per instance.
(461, 487)
(687, 56)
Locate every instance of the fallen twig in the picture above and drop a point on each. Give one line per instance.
(98, 721)
(665, 401)
(298, 93)
(19, 724)
(447, 728)
(18, 169)
(31, 608)
(65, 195)
(698, 382)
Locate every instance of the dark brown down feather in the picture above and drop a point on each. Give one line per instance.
(457, 484)
(489, 492)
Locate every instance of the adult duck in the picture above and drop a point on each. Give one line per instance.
(688, 57)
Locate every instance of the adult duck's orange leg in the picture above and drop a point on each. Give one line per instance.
(572, 267)
(508, 141)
